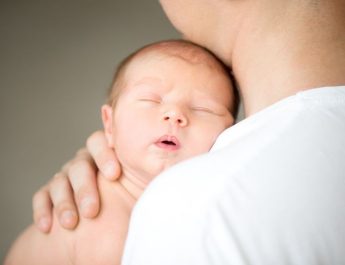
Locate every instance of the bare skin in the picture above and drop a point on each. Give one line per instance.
(172, 116)
(110, 229)
(275, 49)
(58, 191)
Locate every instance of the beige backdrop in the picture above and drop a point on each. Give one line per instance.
(56, 63)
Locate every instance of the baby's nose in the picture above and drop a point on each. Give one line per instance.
(175, 117)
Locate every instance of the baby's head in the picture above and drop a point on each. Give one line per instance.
(184, 49)
(168, 102)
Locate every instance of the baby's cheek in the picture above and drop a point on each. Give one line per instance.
(203, 143)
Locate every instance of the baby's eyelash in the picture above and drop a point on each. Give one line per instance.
(207, 110)
(150, 100)
(202, 109)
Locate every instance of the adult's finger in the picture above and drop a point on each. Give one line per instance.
(62, 197)
(42, 210)
(104, 156)
(82, 176)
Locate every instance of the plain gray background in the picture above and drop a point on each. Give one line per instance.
(57, 60)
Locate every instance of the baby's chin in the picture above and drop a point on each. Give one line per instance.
(155, 169)
(167, 164)
(150, 168)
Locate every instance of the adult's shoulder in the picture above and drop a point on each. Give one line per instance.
(273, 188)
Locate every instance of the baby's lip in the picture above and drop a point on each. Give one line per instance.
(168, 142)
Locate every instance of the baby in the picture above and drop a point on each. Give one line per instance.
(168, 102)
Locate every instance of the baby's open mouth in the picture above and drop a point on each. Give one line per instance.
(168, 142)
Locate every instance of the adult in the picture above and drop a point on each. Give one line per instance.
(272, 189)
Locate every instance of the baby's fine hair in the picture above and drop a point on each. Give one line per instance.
(184, 49)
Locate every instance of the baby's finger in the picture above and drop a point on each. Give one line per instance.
(103, 155)
(42, 210)
(63, 200)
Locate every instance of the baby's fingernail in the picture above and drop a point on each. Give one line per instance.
(87, 206)
(109, 169)
(44, 223)
(68, 218)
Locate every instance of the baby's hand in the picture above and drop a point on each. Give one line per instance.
(75, 186)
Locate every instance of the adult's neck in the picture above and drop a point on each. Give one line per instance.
(284, 47)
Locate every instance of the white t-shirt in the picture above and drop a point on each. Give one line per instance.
(271, 191)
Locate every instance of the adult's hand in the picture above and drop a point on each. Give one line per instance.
(73, 190)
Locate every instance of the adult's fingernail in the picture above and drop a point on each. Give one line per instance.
(109, 169)
(44, 224)
(68, 218)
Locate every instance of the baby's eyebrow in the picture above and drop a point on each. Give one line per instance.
(151, 84)
(149, 80)
(144, 88)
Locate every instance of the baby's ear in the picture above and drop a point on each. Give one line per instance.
(107, 118)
